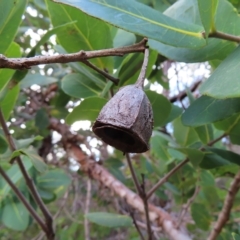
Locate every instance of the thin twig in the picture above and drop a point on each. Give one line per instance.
(105, 74)
(142, 74)
(136, 183)
(225, 213)
(145, 202)
(87, 204)
(22, 198)
(136, 225)
(165, 178)
(26, 63)
(187, 205)
(48, 218)
(225, 36)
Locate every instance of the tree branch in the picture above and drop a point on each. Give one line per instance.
(225, 213)
(225, 36)
(22, 198)
(48, 218)
(26, 63)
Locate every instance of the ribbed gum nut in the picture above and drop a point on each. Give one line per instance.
(126, 121)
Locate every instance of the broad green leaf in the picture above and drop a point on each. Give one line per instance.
(123, 38)
(88, 109)
(235, 236)
(79, 86)
(109, 219)
(46, 195)
(206, 179)
(175, 112)
(142, 20)
(207, 10)
(187, 11)
(41, 119)
(8, 103)
(201, 216)
(208, 110)
(86, 34)
(11, 17)
(210, 197)
(36, 160)
(36, 78)
(184, 136)
(15, 215)
(195, 156)
(205, 133)
(3, 145)
(53, 180)
(212, 160)
(224, 82)
(15, 175)
(6, 74)
(161, 107)
(24, 143)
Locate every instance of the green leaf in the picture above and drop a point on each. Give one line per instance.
(212, 160)
(184, 136)
(86, 34)
(36, 160)
(208, 110)
(3, 145)
(41, 119)
(201, 216)
(53, 180)
(109, 219)
(15, 215)
(142, 20)
(224, 82)
(235, 236)
(175, 113)
(207, 9)
(88, 109)
(79, 86)
(123, 38)
(10, 19)
(6, 74)
(205, 133)
(206, 179)
(195, 156)
(36, 78)
(187, 11)
(15, 175)
(9, 101)
(161, 107)
(24, 143)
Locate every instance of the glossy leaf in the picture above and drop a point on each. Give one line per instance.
(187, 11)
(36, 160)
(53, 180)
(88, 109)
(109, 219)
(79, 86)
(207, 9)
(86, 34)
(212, 160)
(208, 110)
(161, 107)
(10, 20)
(15, 215)
(184, 136)
(41, 119)
(224, 82)
(142, 20)
(205, 133)
(3, 145)
(15, 175)
(201, 216)
(36, 78)
(8, 103)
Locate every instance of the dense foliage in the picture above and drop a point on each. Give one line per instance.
(192, 82)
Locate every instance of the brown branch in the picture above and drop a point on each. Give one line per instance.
(26, 63)
(105, 74)
(225, 36)
(136, 225)
(225, 213)
(48, 218)
(183, 94)
(142, 75)
(135, 181)
(22, 198)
